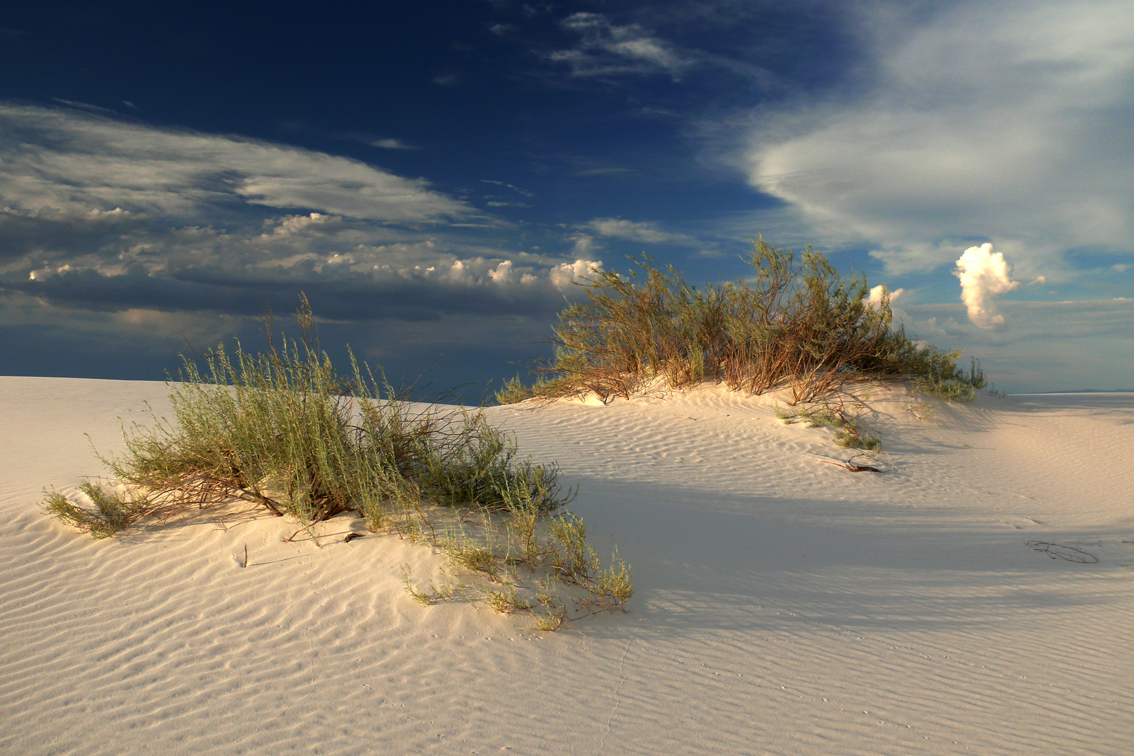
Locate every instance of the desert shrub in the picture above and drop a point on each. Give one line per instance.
(797, 323)
(285, 430)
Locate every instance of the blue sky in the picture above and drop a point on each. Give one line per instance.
(434, 175)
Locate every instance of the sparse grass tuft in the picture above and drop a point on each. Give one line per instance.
(284, 430)
(849, 432)
(109, 514)
(504, 599)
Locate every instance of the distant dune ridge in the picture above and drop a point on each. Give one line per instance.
(783, 605)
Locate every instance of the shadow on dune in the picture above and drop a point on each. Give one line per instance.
(704, 561)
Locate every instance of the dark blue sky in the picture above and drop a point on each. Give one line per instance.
(433, 175)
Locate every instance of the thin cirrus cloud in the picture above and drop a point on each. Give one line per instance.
(1001, 120)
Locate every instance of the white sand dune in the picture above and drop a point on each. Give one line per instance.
(783, 606)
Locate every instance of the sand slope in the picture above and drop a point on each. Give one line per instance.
(784, 605)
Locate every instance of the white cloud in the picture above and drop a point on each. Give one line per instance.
(391, 144)
(289, 225)
(649, 233)
(874, 299)
(110, 215)
(608, 49)
(984, 276)
(583, 243)
(54, 160)
(562, 275)
(1002, 120)
(502, 273)
(506, 185)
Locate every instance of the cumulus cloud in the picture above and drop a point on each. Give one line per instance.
(502, 273)
(563, 275)
(1003, 120)
(358, 285)
(984, 276)
(874, 299)
(297, 224)
(607, 49)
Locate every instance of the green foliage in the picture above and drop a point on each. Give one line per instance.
(283, 429)
(849, 432)
(798, 322)
(955, 386)
(513, 391)
(505, 600)
(110, 513)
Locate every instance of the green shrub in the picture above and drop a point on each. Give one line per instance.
(798, 323)
(283, 429)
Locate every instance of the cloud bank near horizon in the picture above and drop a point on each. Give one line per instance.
(107, 214)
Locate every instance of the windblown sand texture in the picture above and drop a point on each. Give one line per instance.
(784, 605)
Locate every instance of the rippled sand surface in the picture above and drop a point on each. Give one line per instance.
(976, 597)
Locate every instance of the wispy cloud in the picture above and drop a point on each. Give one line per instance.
(103, 214)
(447, 79)
(607, 49)
(68, 162)
(506, 185)
(1042, 346)
(82, 105)
(1001, 120)
(639, 231)
(391, 144)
